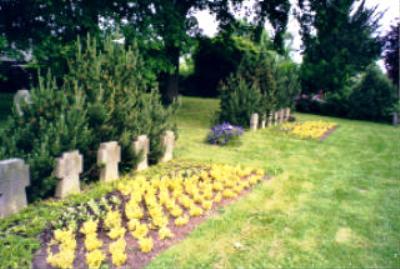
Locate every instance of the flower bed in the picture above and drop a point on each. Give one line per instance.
(310, 129)
(141, 217)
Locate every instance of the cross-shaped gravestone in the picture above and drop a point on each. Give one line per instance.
(22, 96)
(276, 118)
(281, 115)
(269, 122)
(168, 142)
(141, 147)
(263, 121)
(68, 168)
(288, 113)
(108, 157)
(254, 122)
(14, 178)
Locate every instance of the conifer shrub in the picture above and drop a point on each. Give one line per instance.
(52, 123)
(264, 82)
(102, 97)
(239, 100)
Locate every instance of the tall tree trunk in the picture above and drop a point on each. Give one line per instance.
(171, 88)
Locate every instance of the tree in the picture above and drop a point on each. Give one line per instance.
(338, 42)
(171, 23)
(49, 27)
(391, 53)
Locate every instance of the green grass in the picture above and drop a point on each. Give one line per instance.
(335, 205)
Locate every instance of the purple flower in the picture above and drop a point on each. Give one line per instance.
(223, 133)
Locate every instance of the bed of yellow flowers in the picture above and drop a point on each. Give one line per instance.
(142, 205)
(308, 129)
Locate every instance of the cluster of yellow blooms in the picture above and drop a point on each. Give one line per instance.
(308, 129)
(153, 205)
(113, 222)
(94, 255)
(64, 258)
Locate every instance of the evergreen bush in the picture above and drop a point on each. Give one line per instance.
(102, 97)
(373, 98)
(239, 100)
(51, 124)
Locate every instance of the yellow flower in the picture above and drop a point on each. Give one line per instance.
(133, 212)
(181, 221)
(118, 258)
(91, 242)
(176, 211)
(218, 197)
(165, 232)
(118, 246)
(206, 205)
(228, 193)
(146, 244)
(63, 259)
(141, 231)
(94, 259)
(112, 219)
(116, 232)
(132, 224)
(195, 211)
(89, 227)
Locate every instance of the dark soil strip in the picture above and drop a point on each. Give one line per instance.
(327, 134)
(136, 259)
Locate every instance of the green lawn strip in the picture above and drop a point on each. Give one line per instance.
(338, 203)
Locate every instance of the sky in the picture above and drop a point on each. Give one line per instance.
(208, 24)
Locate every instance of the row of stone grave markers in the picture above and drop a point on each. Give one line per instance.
(273, 119)
(14, 173)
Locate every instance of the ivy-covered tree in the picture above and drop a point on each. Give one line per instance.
(338, 42)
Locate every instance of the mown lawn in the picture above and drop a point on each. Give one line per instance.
(336, 205)
(333, 204)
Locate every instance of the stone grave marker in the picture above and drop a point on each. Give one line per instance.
(108, 158)
(68, 168)
(14, 178)
(22, 96)
(254, 122)
(168, 142)
(142, 146)
(276, 118)
(263, 121)
(270, 119)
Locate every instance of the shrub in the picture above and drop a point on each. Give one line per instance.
(373, 97)
(102, 98)
(51, 124)
(223, 134)
(239, 100)
(120, 102)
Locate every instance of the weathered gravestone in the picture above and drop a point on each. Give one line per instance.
(254, 122)
(281, 115)
(263, 121)
(168, 142)
(108, 158)
(141, 146)
(276, 118)
(22, 96)
(68, 168)
(14, 178)
(287, 113)
(269, 123)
